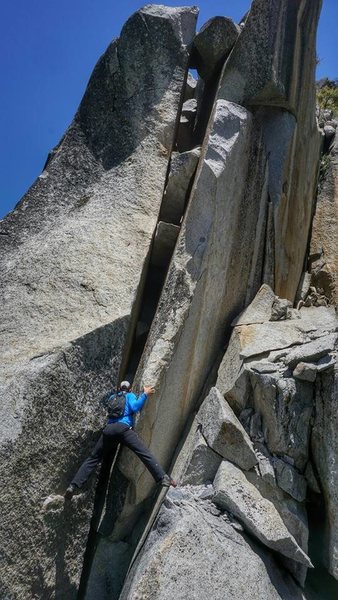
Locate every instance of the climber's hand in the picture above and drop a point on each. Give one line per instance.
(148, 390)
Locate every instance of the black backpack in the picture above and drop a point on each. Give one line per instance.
(114, 403)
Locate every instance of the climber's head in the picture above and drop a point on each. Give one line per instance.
(125, 386)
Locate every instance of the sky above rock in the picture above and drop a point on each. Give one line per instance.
(47, 53)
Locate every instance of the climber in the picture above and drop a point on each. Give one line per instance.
(119, 430)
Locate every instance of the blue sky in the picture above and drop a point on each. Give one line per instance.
(47, 52)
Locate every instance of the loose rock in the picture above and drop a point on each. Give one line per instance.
(305, 371)
(212, 45)
(197, 463)
(182, 168)
(312, 350)
(223, 432)
(187, 120)
(258, 515)
(290, 480)
(190, 87)
(259, 310)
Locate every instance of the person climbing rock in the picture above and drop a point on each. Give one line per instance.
(121, 407)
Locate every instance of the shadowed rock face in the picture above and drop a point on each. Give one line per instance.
(73, 255)
(324, 443)
(148, 235)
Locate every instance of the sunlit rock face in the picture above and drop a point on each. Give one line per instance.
(272, 68)
(324, 237)
(73, 259)
(167, 241)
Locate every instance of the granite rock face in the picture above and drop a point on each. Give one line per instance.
(270, 73)
(73, 255)
(324, 442)
(186, 312)
(297, 412)
(165, 242)
(187, 527)
(258, 515)
(112, 161)
(323, 256)
(273, 74)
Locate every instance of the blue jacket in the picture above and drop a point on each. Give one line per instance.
(133, 405)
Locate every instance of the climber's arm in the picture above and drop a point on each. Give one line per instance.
(137, 403)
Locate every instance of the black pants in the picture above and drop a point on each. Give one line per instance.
(112, 436)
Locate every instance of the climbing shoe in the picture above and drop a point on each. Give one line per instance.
(167, 481)
(70, 491)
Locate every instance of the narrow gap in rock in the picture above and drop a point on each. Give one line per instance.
(191, 183)
(151, 284)
(176, 217)
(319, 584)
(176, 129)
(160, 257)
(157, 269)
(92, 540)
(264, 276)
(308, 258)
(205, 106)
(151, 295)
(134, 319)
(192, 127)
